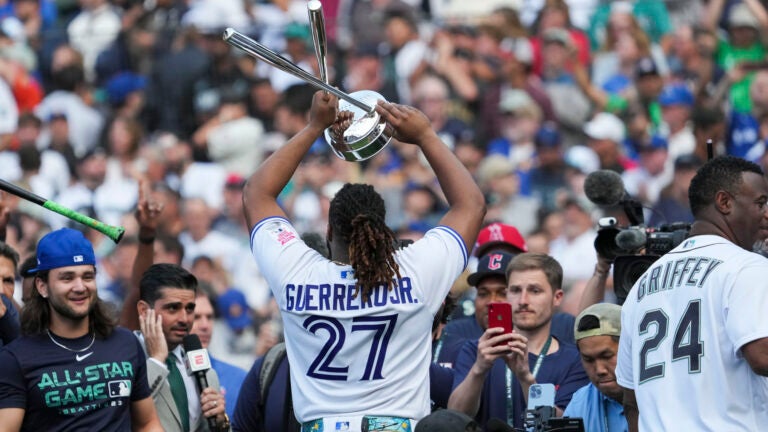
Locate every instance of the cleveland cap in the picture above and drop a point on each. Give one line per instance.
(608, 319)
(493, 263)
(63, 248)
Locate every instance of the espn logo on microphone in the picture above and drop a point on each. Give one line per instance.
(198, 360)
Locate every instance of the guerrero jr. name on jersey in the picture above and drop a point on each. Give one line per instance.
(341, 297)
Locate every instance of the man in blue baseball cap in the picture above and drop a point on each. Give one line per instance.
(677, 101)
(72, 368)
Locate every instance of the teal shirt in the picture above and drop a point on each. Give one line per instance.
(652, 15)
(728, 56)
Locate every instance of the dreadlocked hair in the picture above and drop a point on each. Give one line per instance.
(357, 216)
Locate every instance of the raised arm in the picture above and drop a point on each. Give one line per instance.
(148, 213)
(264, 185)
(464, 197)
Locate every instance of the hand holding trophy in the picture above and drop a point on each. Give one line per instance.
(360, 132)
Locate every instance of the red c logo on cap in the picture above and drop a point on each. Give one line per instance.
(494, 262)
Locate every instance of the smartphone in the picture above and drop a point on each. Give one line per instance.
(541, 395)
(500, 315)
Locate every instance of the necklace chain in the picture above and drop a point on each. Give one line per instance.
(70, 349)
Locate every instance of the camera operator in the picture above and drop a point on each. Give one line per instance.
(597, 333)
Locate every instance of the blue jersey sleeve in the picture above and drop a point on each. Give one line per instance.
(13, 393)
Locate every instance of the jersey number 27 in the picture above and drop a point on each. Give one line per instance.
(686, 344)
(382, 328)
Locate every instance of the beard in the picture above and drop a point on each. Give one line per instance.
(67, 312)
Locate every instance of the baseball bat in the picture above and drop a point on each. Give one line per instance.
(113, 232)
(317, 24)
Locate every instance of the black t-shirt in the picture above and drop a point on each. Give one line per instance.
(66, 391)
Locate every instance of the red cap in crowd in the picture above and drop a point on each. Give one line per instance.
(499, 234)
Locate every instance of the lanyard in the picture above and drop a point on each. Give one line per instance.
(536, 367)
(438, 348)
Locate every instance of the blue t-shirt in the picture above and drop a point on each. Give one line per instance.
(562, 368)
(62, 390)
(600, 413)
(231, 380)
(458, 331)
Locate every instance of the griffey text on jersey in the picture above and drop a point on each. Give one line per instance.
(690, 271)
(341, 297)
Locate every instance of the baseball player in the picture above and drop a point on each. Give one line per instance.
(692, 353)
(357, 325)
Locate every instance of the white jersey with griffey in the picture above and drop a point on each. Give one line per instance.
(682, 328)
(350, 357)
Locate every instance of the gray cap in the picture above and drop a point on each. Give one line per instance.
(608, 316)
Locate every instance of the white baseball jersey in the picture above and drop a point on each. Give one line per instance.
(682, 328)
(350, 357)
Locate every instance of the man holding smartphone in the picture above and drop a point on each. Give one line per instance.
(493, 374)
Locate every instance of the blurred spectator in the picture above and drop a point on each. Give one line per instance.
(93, 196)
(547, 177)
(570, 106)
(743, 45)
(673, 205)
(653, 174)
(232, 139)
(198, 239)
(520, 119)
(365, 71)
(16, 67)
(92, 31)
(271, 18)
(744, 127)
(231, 222)
(125, 93)
(300, 51)
(692, 61)
(84, 121)
(574, 248)
(406, 51)
(676, 102)
(10, 327)
(192, 179)
(709, 124)
(131, 51)
(651, 16)
(605, 132)
(556, 15)
(499, 181)
(431, 96)
(230, 376)
(117, 266)
(9, 115)
(123, 137)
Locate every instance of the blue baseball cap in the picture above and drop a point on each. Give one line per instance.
(655, 142)
(234, 309)
(676, 94)
(63, 248)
